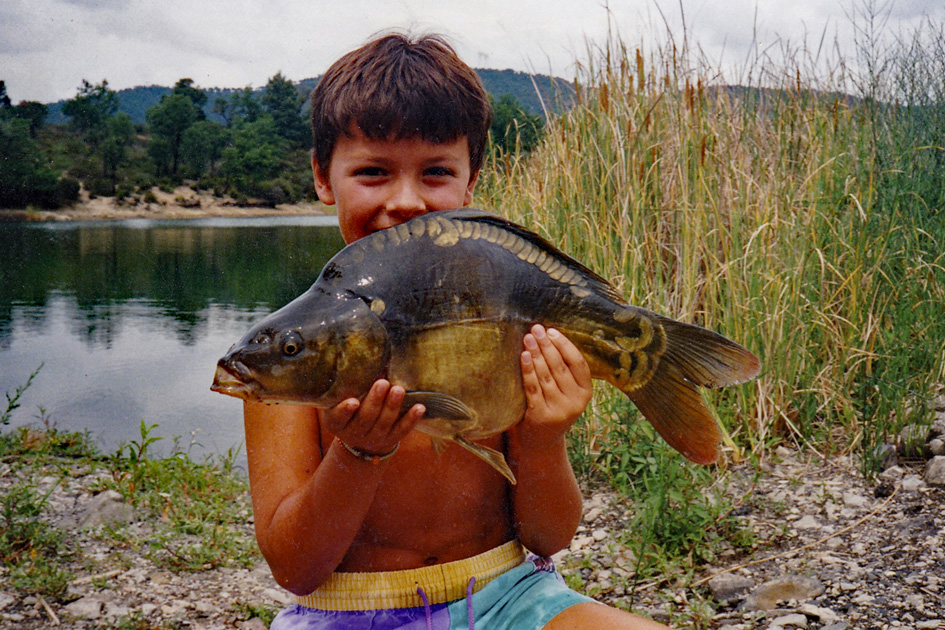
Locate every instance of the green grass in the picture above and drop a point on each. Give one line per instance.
(197, 511)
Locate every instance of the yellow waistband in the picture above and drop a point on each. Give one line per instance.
(398, 589)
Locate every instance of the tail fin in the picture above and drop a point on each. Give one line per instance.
(670, 401)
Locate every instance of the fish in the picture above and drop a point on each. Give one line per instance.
(440, 305)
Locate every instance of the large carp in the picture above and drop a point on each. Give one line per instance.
(440, 304)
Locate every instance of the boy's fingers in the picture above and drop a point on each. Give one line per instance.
(574, 361)
(539, 363)
(407, 422)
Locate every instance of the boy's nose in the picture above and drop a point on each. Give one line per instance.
(406, 201)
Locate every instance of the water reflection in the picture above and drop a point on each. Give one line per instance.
(129, 319)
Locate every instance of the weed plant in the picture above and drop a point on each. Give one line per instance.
(195, 502)
(197, 511)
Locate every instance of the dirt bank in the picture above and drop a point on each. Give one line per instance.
(182, 203)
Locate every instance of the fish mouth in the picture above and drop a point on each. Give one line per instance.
(227, 382)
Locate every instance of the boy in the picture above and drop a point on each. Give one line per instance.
(354, 511)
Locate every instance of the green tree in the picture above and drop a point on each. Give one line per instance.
(283, 102)
(5, 102)
(224, 109)
(90, 110)
(513, 128)
(168, 120)
(256, 155)
(202, 146)
(33, 112)
(197, 96)
(245, 106)
(24, 177)
(120, 135)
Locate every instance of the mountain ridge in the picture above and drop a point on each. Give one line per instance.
(535, 92)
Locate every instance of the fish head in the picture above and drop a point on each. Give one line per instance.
(319, 349)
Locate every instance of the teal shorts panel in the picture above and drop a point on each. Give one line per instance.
(527, 597)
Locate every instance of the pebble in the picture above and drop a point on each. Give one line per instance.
(729, 586)
(935, 471)
(912, 483)
(793, 620)
(786, 588)
(854, 500)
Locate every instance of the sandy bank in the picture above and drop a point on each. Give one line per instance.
(182, 203)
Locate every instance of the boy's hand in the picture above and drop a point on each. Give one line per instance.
(374, 425)
(557, 380)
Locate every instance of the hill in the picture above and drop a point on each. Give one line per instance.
(554, 94)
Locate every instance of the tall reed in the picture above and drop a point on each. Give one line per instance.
(771, 214)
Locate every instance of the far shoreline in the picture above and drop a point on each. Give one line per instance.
(182, 203)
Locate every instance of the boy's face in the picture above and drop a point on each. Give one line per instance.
(378, 184)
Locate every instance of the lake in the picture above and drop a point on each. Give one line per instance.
(128, 319)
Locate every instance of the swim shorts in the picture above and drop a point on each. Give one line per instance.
(500, 590)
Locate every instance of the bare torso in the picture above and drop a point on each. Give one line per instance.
(431, 509)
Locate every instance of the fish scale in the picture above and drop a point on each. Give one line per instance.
(440, 304)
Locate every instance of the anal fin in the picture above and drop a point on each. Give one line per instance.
(489, 455)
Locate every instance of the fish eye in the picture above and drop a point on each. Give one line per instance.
(291, 344)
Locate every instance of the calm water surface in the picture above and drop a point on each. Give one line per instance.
(129, 318)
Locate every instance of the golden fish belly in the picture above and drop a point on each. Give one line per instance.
(474, 361)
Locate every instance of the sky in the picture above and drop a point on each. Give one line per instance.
(47, 47)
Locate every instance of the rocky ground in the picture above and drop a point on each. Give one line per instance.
(832, 553)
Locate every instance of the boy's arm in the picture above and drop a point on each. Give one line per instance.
(547, 501)
(308, 507)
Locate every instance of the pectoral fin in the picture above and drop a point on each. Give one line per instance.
(491, 456)
(442, 406)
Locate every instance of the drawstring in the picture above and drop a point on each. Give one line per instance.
(426, 607)
(469, 605)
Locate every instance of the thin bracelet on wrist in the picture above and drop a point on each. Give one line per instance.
(365, 456)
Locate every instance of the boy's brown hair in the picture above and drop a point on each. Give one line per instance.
(398, 87)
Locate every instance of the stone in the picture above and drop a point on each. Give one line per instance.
(790, 587)
(6, 599)
(935, 471)
(807, 522)
(253, 624)
(277, 595)
(912, 483)
(794, 620)
(854, 500)
(592, 515)
(937, 446)
(728, 586)
(824, 615)
(88, 608)
(106, 507)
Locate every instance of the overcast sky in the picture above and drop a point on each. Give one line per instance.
(47, 47)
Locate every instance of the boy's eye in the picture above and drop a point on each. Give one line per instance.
(370, 171)
(438, 171)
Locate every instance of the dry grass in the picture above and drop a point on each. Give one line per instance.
(780, 217)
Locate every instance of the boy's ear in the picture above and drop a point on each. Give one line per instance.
(322, 184)
(473, 178)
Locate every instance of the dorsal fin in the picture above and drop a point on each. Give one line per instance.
(595, 281)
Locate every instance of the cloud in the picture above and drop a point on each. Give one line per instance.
(48, 46)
